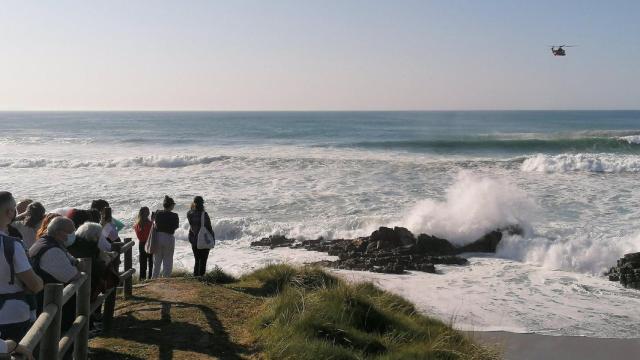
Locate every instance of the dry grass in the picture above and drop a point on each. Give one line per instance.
(180, 318)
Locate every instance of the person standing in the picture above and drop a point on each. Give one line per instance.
(195, 216)
(17, 278)
(166, 224)
(142, 228)
(109, 229)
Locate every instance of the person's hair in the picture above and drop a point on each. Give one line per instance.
(35, 213)
(198, 203)
(57, 224)
(106, 216)
(94, 215)
(22, 205)
(143, 215)
(99, 204)
(168, 202)
(45, 223)
(89, 231)
(79, 216)
(6, 200)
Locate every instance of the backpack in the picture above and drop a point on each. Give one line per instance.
(9, 248)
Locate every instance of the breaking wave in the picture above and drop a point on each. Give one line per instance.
(600, 163)
(631, 139)
(516, 143)
(588, 253)
(141, 161)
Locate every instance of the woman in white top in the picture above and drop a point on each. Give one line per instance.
(109, 229)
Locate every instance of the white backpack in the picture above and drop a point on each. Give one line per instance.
(206, 240)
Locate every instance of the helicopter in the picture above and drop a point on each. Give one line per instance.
(560, 50)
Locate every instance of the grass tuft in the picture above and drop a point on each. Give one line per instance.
(314, 315)
(218, 276)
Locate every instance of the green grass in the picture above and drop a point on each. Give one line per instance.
(314, 315)
(274, 279)
(215, 276)
(218, 276)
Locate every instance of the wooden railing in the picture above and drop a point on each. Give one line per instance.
(46, 329)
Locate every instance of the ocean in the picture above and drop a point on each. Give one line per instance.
(568, 177)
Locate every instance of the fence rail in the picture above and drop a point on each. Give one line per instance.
(46, 331)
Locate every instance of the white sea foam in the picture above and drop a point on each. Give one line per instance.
(591, 253)
(140, 161)
(607, 163)
(631, 139)
(42, 140)
(474, 205)
(496, 294)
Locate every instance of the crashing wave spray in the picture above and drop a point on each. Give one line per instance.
(586, 253)
(605, 163)
(473, 206)
(476, 205)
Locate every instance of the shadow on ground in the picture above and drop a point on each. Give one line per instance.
(171, 331)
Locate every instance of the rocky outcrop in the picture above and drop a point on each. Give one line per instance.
(393, 251)
(274, 241)
(627, 271)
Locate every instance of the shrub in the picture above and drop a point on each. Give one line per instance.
(218, 276)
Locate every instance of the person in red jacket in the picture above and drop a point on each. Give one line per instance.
(143, 228)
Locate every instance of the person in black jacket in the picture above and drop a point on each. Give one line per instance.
(166, 224)
(195, 218)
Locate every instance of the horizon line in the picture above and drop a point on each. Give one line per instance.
(316, 110)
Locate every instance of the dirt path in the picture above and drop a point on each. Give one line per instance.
(181, 319)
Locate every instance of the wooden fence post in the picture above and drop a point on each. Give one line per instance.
(51, 338)
(83, 308)
(128, 264)
(110, 301)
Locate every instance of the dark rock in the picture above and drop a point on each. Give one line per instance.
(388, 269)
(394, 251)
(274, 241)
(428, 268)
(627, 271)
(385, 238)
(487, 243)
(512, 230)
(406, 236)
(434, 245)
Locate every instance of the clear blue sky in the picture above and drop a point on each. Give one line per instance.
(318, 55)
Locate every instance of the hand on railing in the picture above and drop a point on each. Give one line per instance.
(17, 351)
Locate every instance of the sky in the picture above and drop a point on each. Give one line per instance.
(318, 55)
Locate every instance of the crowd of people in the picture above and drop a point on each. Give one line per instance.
(39, 248)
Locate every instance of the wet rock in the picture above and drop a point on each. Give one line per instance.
(385, 235)
(406, 237)
(392, 251)
(434, 245)
(487, 243)
(274, 241)
(391, 268)
(627, 271)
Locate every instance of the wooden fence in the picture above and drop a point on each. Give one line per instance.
(46, 329)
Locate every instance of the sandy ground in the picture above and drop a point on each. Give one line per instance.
(544, 347)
